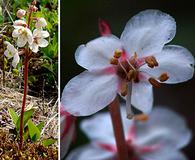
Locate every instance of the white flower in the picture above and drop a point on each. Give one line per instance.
(22, 33)
(129, 66)
(67, 129)
(21, 13)
(41, 22)
(12, 52)
(39, 40)
(156, 139)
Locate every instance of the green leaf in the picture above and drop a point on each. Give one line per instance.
(27, 116)
(48, 142)
(40, 126)
(34, 131)
(26, 134)
(13, 115)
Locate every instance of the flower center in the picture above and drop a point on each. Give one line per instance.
(128, 69)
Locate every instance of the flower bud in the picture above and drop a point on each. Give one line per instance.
(41, 22)
(21, 13)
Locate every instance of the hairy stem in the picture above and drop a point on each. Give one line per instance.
(115, 113)
(24, 100)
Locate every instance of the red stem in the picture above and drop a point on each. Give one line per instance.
(24, 100)
(115, 113)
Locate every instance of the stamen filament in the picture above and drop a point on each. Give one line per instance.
(122, 67)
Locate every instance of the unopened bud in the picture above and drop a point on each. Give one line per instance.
(21, 13)
(34, 2)
(41, 22)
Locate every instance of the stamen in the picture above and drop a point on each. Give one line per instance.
(122, 67)
(163, 77)
(141, 117)
(154, 82)
(124, 89)
(130, 75)
(118, 53)
(151, 61)
(114, 61)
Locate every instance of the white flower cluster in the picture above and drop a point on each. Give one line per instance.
(25, 36)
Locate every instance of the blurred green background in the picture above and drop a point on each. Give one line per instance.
(79, 24)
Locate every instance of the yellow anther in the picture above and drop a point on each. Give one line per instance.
(118, 53)
(163, 77)
(114, 61)
(141, 117)
(124, 89)
(154, 82)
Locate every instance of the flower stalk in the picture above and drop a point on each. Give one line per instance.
(26, 62)
(114, 109)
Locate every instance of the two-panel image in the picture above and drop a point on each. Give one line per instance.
(97, 80)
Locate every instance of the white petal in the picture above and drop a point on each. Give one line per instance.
(177, 61)
(8, 54)
(164, 128)
(66, 140)
(29, 36)
(44, 34)
(89, 92)
(16, 60)
(165, 156)
(147, 32)
(22, 40)
(99, 132)
(90, 152)
(34, 47)
(15, 33)
(43, 42)
(97, 53)
(142, 96)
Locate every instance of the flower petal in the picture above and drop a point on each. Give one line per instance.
(43, 42)
(66, 140)
(90, 152)
(147, 32)
(16, 60)
(165, 156)
(159, 131)
(142, 96)
(174, 60)
(44, 34)
(99, 132)
(21, 42)
(34, 47)
(97, 53)
(89, 92)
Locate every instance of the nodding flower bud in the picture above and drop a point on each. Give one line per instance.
(34, 2)
(41, 22)
(21, 13)
(33, 8)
